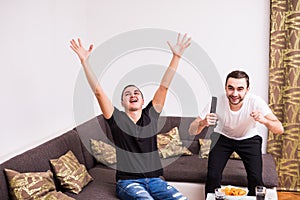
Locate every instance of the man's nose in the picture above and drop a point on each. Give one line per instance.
(235, 92)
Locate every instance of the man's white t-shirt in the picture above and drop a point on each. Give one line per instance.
(239, 124)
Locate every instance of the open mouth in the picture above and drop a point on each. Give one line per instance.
(133, 100)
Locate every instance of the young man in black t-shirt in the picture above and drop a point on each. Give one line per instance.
(134, 130)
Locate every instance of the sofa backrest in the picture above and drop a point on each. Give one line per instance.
(98, 129)
(166, 123)
(37, 159)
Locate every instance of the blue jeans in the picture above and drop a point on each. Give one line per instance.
(147, 188)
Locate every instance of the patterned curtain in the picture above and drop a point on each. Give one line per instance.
(284, 91)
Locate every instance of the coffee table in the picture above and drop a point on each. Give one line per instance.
(271, 194)
(211, 196)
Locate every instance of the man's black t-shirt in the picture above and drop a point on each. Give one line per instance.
(136, 144)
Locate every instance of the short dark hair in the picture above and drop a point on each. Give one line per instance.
(127, 86)
(238, 74)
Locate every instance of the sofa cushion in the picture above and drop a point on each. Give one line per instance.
(102, 187)
(54, 195)
(104, 153)
(72, 175)
(185, 169)
(30, 184)
(169, 144)
(194, 169)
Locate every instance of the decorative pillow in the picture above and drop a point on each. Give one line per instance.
(234, 155)
(169, 144)
(71, 175)
(103, 152)
(30, 185)
(205, 148)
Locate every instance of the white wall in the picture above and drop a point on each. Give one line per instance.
(39, 73)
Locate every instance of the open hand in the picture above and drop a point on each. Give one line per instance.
(82, 53)
(181, 45)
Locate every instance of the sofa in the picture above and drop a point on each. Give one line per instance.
(183, 168)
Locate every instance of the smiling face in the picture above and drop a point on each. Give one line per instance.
(132, 98)
(236, 90)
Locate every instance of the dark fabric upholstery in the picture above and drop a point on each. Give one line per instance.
(103, 186)
(97, 129)
(185, 169)
(166, 123)
(37, 159)
(270, 177)
(234, 172)
(182, 169)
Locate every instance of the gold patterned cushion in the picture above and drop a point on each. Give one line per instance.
(30, 185)
(103, 152)
(205, 148)
(169, 144)
(72, 175)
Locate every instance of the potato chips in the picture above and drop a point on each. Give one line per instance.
(233, 191)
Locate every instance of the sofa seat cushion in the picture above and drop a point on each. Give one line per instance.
(194, 169)
(185, 169)
(102, 187)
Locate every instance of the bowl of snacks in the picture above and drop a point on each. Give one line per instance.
(234, 193)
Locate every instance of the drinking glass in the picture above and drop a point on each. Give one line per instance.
(219, 194)
(260, 192)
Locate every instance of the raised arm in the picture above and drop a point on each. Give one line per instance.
(83, 54)
(177, 50)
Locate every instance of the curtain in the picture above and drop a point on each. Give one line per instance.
(284, 90)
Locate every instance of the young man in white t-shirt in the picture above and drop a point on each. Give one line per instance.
(238, 113)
